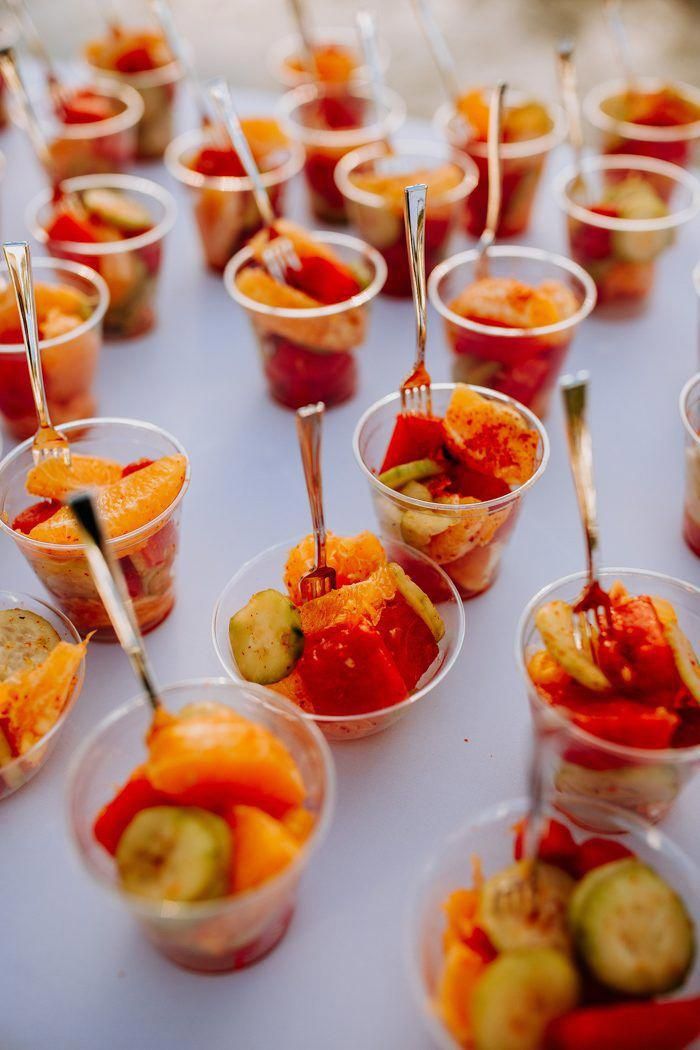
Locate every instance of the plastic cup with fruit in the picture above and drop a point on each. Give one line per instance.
(596, 953)
(690, 416)
(512, 330)
(71, 301)
(142, 60)
(41, 675)
(142, 474)
(372, 181)
(531, 130)
(207, 838)
(624, 729)
(223, 202)
(308, 329)
(623, 217)
(338, 58)
(116, 224)
(330, 121)
(450, 484)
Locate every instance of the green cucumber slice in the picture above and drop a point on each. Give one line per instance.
(266, 637)
(416, 470)
(115, 208)
(419, 601)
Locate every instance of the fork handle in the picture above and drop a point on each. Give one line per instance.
(368, 36)
(613, 16)
(35, 45)
(13, 79)
(309, 421)
(19, 260)
(442, 56)
(302, 25)
(495, 189)
(566, 70)
(180, 51)
(574, 391)
(414, 214)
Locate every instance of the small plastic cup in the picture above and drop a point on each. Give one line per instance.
(147, 554)
(310, 355)
(522, 164)
(130, 267)
(330, 121)
(379, 220)
(696, 285)
(267, 571)
(676, 143)
(644, 780)
(690, 416)
(224, 206)
(15, 773)
(232, 932)
(285, 60)
(521, 362)
(69, 361)
(490, 837)
(472, 566)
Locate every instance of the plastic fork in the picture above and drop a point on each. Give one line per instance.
(48, 442)
(415, 390)
(279, 254)
(442, 56)
(299, 15)
(321, 579)
(35, 44)
(566, 71)
(493, 162)
(181, 52)
(612, 9)
(13, 79)
(520, 897)
(370, 52)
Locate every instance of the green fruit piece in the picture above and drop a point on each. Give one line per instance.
(26, 639)
(266, 637)
(419, 526)
(397, 477)
(419, 601)
(414, 490)
(117, 209)
(555, 622)
(521, 909)
(683, 653)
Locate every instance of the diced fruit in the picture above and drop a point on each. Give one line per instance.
(683, 653)
(26, 639)
(354, 558)
(519, 909)
(257, 284)
(409, 639)
(671, 1025)
(397, 477)
(266, 637)
(299, 822)
(633, 653)
(506, 302)
(263, 847)
(556, 845)
(490, 437)
(117, 209)
(595, 852)
(414, 490)
(54, 479)
(34, 515)
(71, 229)
(418, 601)
(460, 974)
(137, 794)
(414, 438)
(555, 622)
(418, 527)
(350, 604)
(325, 280)
(32, 701)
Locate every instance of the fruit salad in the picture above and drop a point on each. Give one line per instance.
(309, 327)
(94, 130)
(450, 484)
(142, 60)
(572, 954)
(690, 414)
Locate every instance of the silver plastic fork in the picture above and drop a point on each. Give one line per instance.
(279, 254)
(416, 388)
(442, 56)
(612, 9)
(307, 45)
(321, 579)
(519, 897)
(568, 90)
(493, 162)
(182, 54)
(36, 47)
(48, 442)
(370, 53)
(14, 81)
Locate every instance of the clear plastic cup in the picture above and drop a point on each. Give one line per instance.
(490, 837)
(522, 164)
(521, 362)
(147, 554)
(15, 773)
(129, 267)
(285, 58)
(379, 220)
(690, 416)
(69, 361)
(677, 143)
(330, 121)
(644, 780)
(267, 571)
(310, 355)
(696, 284)
(231, 932)
(224, 205)
(620, 254)
(472, 563)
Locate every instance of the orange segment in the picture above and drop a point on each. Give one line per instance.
(350, 604)
(299, 822)
(462, 970)
(262, 847)
(461, 909)
(264, 136)
(439, 180)
(31, 701)
(302, 240)
(125, 505)
(58, 308)
(506, 302)
(292, 687)
(259, 286)
(354, 558)
(54, 479)
(490, 437)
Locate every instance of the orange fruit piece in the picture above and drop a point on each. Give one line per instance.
(292, 687)
(264, 136)
(304, 243)
(506, 302)
(124, 505)
(262, 847)
(258, 285)
(350, 604)
(461, 971)
(490, 437)
(299, 822)
(354, 558)
(54, 479)
(390, 186)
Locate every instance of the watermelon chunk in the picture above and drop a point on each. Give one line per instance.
(409, 640)
(414, 437)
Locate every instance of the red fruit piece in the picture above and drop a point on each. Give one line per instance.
(635, 655)
(218, 162)
(138, 464)
(319, 169)
(673, 1025)
(626, 722)
(409, 640)
(556, 846)
(136, 60)
(467, 482)
(687, 732)
(479, 942)
(35, 515)
(595, 852)
(324, 280)
(298, 376)
(138, 793)
(86, 108)
(593, 242)
(12, 336)
(67, 227)
(414, 437)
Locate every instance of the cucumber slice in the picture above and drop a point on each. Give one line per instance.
(587, 884)
(175, 853)
(118, 210)
(633, 931)
(266, 637)
(684, 656)
(419, 526)
(419, 601)
(555, 622)
(518, 995)
(397, 477)
(414, 490)
(515, 918)
(631, 787)
(26, 639)
(640, 246)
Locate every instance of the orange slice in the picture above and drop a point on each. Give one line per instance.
(259, 286)
(292, 688)
(264, 136)
(462, 969)
(506, 302)
(263, 847)
(302, 240)
(439, 180)
(354, 558)
(490, 437)
(54, 479)
(350, 604)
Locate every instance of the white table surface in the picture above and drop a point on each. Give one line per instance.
(75, 972)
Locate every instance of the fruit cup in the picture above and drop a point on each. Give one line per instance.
(690, 416)
(378, 216)
(472, 570)
(147, 554)
(130, 266)
(522, 164)
(224, 205)
(644, 780)
(228, 933)
(310, 355)
(620, 253)
(340, 58)
(69, 358)
(521, 362)
(330, 121)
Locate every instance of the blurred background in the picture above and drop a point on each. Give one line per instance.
(489, 38)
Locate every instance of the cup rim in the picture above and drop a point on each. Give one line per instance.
(428, 148)
(446, 113)
(200, 909)
(450, 509)
(325, 237)
(342, 138)
(688, 388)
(128, 118)
(331, 720)
(95, 318)
(120, 182)
(92, 423)
(285, 46)
(518, 252)
(169, 73)
(592, 108)
(627, 161)
(231, 183)
(675, 755)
